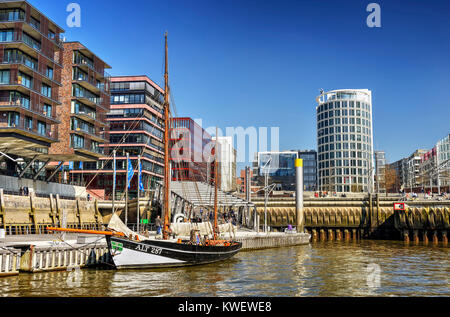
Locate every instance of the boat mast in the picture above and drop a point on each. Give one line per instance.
(166, 209)
(216, 176)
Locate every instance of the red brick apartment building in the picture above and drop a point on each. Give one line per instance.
(85, 97)
(30, 80)
(189, 142)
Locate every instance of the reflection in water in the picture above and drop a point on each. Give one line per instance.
(368, 268)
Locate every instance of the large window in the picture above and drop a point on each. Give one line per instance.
(16, 98)
(46, 90)
(41, 128)
(6, 35)
(12, 15)
(17, 56)
(76, 142)
(4, 77)
(25, 80)
(79, 108)
(31, 41)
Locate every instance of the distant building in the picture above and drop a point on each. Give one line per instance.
(443, 161)
(227, 164)
(191, 151)
(137, 128)
(280, 167)
(380, 168)
(345, 140)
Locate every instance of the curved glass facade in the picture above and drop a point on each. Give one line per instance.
(345, 141)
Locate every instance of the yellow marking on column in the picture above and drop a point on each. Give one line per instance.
(298, 163)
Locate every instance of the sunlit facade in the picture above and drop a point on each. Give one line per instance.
(345, 140)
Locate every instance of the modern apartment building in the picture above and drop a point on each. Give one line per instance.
(345, 140)
(227, 164)
(30, 80)
(136, 127)
(443, 162)
(85, 101)
(380, 169)
(412, 177)
(191, 151)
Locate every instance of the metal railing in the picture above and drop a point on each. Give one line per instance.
(34, 66)
(28, 105)
(24, 125)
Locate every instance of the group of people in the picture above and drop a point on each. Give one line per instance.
(24, 191)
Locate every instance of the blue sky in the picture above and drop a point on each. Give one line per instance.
(261, 63)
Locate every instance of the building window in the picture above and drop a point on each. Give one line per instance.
(49, 72)
(46, 90)
(4, 77)
(25, 80)
(28, 123)
(47, 110)
(77, 141)
(41, 128)
(6, 35)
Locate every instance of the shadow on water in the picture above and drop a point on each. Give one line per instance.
(364, 268)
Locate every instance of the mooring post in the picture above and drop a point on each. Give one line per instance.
(299, 194)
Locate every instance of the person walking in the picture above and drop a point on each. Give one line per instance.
(158, 224)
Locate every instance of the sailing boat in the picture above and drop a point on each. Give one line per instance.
(131, 250)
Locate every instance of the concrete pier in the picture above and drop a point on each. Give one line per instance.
(257, 241)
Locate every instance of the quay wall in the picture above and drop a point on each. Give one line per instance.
(31, 214)
(339, 219)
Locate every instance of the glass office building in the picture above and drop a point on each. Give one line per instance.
(345, 140)
(280, 167)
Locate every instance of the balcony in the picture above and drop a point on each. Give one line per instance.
(31, 45)
(29, 65)
(25, 89)
(8, 104)
(89, 149)
(84, 62)
(88, 83)
(95, 134)
(22, 126)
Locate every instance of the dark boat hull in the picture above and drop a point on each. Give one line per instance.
(127, 254)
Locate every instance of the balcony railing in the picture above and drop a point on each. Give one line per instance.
(29, 41)
(26, 104)
(34, 66)
(90, 148)
(100, 86)
(24, 125)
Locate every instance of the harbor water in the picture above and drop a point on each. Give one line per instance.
(363, 268)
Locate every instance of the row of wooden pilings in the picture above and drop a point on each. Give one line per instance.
(33, 259)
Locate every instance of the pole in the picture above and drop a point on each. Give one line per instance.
(138, 210)
(114, 182)
(266, 183)
(216, 184)
(126, 192)
(299, 194)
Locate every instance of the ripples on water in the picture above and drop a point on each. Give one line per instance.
(319, 269)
